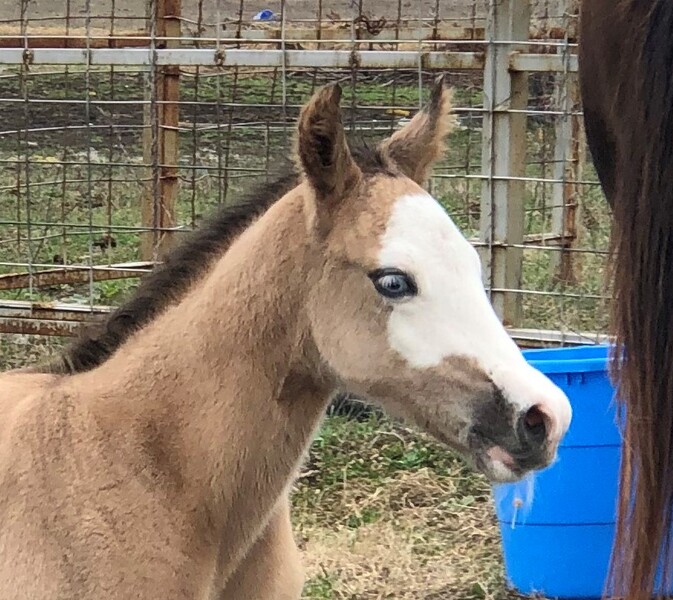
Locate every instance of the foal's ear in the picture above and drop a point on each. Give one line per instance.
(322, 149)
(416, 147)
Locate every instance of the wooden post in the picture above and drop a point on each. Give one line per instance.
(567, 162)
(504, 157)
(161, 190)
(568, 171)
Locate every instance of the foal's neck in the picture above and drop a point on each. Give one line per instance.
(224, 376)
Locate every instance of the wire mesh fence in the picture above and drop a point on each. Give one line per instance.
(122, 123)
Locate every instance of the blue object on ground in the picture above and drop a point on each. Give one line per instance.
(264, 15)
(558, 528)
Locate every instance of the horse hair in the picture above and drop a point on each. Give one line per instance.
(629, 123)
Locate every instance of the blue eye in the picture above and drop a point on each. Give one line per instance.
(393, 283)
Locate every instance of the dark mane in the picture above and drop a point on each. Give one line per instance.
(168, 282)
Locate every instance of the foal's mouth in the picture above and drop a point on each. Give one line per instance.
(491, 458)
(502, 465)
(498, 465)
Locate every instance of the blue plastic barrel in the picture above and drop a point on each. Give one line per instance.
(558, 528)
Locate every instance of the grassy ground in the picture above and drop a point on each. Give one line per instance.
(386, 513)
(380, 511)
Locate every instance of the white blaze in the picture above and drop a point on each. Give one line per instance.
(452, 316)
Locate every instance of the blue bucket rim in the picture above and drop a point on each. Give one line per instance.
(551, 361)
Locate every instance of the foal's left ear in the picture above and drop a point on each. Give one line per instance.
(416, 147)
(322, 149)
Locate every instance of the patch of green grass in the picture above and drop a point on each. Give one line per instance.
(320, 587)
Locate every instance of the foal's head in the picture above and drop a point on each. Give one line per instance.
(398, 312)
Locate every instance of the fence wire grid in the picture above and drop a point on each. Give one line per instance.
(123, 123)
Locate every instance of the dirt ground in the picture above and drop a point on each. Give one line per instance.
(130, 14)
(133, 11)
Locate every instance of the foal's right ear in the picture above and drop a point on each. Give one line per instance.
(322, 149)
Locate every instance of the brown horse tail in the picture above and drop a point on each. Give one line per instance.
(168, 282)
(643, 308)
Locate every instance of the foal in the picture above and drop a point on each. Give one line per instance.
(162, 471)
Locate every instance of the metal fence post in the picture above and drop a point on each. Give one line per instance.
(504, 157)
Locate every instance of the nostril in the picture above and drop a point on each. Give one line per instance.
(535, 424)
(535, 419)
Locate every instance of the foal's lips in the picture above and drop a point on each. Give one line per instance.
(499, 455)
(499, 465)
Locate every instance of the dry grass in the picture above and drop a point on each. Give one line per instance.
(383, 512)
(378, 561)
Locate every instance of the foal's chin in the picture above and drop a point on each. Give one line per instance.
(496, 471)
(499, 467)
